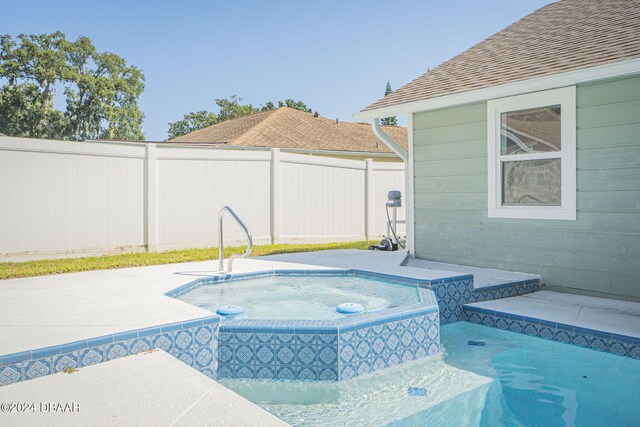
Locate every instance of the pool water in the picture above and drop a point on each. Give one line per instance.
(304, 297)
(514, 380)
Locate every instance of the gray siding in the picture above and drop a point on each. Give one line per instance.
(599, 251)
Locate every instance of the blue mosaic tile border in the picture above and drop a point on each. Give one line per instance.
(588, 338)
(371, 348)
(308, 350)
(194, 342)
(278, 354)
(453, 293)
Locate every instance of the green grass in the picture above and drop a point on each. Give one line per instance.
(12, 270)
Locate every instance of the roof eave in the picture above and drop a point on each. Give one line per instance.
(583, 75)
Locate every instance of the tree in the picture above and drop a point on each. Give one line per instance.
(229, 109)
(232, 108)
(296, 105)
(103, 103)
(268, 106)
(31, 66)
(24, 113)
(191, 122)
(389, 121)
(101, 90)
(299, 105)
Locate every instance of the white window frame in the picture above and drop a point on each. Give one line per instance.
(566, 98)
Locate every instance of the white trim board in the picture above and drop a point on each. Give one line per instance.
(410, 193)
(570, 78)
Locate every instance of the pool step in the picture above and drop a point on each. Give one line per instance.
(601, 324)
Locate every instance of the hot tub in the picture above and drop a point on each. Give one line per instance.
(290, 329)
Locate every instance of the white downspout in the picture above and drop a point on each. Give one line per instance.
(388, 141)
(408, 173)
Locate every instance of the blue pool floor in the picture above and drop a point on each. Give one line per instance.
(513, 380)
(544, 383)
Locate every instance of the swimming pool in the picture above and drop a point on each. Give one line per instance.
(290, 329)
(302, 297)
(512, 380)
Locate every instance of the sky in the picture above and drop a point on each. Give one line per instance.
(336, 56)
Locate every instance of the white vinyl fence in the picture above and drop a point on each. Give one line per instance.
(59, 197)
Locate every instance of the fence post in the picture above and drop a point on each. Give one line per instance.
(151, 192)
(368, 200)
(275, 196)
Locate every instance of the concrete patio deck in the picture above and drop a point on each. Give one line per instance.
(482, 277)
(131, 391)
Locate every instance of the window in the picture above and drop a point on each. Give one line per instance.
(532, 155)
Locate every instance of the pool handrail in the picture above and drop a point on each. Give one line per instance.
(221, 243)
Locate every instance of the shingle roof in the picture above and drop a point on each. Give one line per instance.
(225, 132)
(289, 128)
(562, 36)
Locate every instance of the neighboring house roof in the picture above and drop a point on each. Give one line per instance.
(560, 37)
(286, 127)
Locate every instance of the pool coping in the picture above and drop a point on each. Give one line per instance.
(608, 342)
(394, 278)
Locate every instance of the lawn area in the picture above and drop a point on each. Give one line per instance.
(12, 270)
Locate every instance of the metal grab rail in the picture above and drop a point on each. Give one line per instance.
(221, 243)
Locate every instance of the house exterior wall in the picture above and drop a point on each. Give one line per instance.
(600, 251)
